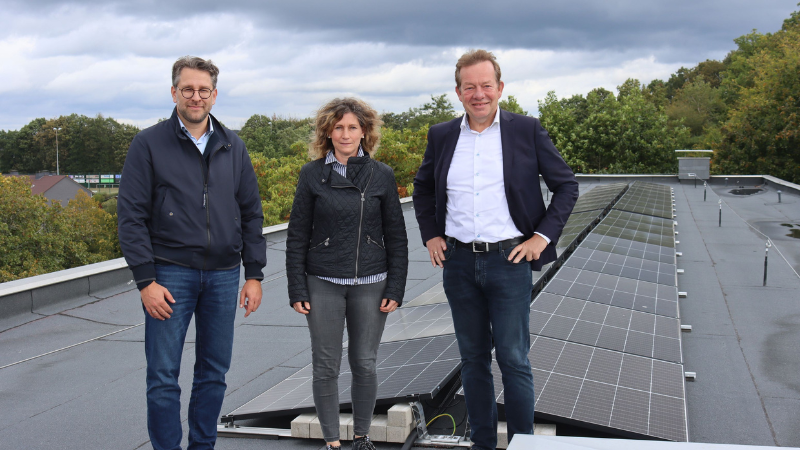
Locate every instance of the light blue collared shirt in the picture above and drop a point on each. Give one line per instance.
(203, 141)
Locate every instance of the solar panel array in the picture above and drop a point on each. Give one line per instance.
(606, 344)
(647, 198)
(587, 212)
(605, 329)
(408, 368)
(610, 389)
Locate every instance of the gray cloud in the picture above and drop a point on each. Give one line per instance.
(288, 57)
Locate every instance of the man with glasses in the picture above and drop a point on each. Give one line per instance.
(189, 213)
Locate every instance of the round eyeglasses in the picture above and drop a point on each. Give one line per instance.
(188, 93)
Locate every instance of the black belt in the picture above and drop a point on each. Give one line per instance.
(481, 247)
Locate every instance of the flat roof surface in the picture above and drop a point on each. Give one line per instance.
(743, 346)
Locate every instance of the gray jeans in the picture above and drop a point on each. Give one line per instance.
(331, 305)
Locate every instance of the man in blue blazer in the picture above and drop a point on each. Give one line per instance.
(481, 215)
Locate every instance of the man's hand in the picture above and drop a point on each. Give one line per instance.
(302, 307)
(388, 306)
(250, 299)
(530, 249)
(436, 247)
(154, 299)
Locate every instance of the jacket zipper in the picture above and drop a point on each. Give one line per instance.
(361, 220)
(206, 205)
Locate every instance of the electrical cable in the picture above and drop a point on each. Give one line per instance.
(444, 415)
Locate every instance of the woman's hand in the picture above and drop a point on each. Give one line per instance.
(302, 307)
(388, 306)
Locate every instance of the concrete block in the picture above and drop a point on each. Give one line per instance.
(346, 426)
(398, 434)
(301, 425)
(400, 415)
(377, 431)
(502, 435)
(315, 429)
(544, 429)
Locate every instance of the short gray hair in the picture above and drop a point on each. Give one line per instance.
(193, 62)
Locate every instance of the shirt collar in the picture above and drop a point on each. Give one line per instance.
(465, 122)
(331, 158)
(207, 133)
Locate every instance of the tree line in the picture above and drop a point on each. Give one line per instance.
(746, 108)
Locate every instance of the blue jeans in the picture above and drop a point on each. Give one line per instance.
(490, 300)
(209, 295)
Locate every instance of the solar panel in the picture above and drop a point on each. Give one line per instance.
(622, 265)
(609, 389)
(610, 327)
(639, 222)
(576, 225)
(417, 322)
(626, 247)
(615, 291)
(418, 367)
(647, 198)
(599, 197)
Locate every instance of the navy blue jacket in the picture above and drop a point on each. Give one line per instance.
(175, 208)
(527, 152)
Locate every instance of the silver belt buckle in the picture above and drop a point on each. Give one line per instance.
(485, 246)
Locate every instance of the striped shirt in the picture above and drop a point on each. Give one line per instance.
(341, 169)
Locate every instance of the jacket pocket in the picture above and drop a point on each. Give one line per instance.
(374, 242)
(324, 243)
(166, 215)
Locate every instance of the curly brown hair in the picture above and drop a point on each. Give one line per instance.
(332, 112)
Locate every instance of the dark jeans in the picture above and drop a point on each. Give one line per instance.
(490, 299)
(209, 295)
(331, 305)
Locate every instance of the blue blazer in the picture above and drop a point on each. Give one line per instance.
(527, 152)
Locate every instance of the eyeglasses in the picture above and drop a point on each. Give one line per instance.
(189, 93)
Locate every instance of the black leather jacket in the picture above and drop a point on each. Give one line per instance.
(346, 227)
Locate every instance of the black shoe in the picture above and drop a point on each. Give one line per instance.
(363, 443)
(330, 447)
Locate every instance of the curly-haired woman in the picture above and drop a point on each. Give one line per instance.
(346, 259)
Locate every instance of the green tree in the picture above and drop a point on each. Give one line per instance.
(85, 145)
(37, 238)
(762, 133)
(510, 104)
(438, 110)
(697, 105)
(274, 136)
(402, 150)
(277, 181)
(604, 133)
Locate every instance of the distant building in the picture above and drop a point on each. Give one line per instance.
(58, 188)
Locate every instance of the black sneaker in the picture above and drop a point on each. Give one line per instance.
(330, 447)
(363, 443)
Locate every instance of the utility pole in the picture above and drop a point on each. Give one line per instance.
(58, 171)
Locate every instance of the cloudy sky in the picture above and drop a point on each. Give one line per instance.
(288, 57)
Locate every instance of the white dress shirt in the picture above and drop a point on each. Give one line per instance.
(477, 208)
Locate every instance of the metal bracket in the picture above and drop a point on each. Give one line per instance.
(419, 417)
